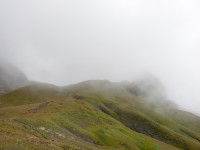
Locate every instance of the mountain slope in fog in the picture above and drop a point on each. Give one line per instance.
(149, 87)
(11, 78)
(92, 115)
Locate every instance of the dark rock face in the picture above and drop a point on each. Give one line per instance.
(11, 78)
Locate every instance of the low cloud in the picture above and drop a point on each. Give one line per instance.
(64, 42)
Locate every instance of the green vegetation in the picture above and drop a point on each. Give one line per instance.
(92, 115)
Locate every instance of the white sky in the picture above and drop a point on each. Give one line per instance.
(68, 41)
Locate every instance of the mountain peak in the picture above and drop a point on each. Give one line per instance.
(11, 78)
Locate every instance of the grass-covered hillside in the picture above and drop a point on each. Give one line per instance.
(92, 115)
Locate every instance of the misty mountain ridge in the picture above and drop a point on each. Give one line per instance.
(92, 115)
(150, 87)
(99, 75)
(147, 86)
(11, 78)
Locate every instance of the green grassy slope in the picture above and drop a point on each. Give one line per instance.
(91, 115)
(163, 123)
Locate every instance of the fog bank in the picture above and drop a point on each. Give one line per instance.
(64, 42)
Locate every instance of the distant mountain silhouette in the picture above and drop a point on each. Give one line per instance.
(151, 88)
(11, 78)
